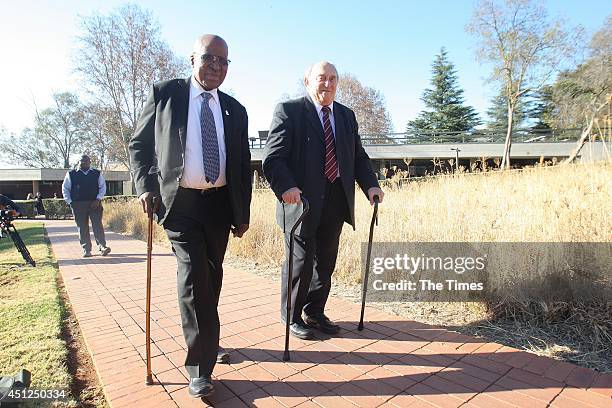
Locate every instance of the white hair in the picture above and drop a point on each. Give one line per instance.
(320, 63)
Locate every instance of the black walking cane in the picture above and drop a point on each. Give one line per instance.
(306, 207)
(364, 291)
(149, 379)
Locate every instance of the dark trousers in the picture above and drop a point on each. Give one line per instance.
(314, 258)
(82, 212)
(198, 228)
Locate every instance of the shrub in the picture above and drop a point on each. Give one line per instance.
(28, 208)
(56, 208)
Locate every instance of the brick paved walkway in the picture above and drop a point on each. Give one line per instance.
(394, 362)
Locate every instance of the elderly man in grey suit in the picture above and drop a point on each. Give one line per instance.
(191, 149)
(314, 150)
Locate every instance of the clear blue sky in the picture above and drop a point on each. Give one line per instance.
(388, 45)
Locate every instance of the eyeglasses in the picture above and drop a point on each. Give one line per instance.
(211, 59)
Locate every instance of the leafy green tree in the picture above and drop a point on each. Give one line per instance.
(445, 111)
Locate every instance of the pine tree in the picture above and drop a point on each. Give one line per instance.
(444, 100)
(498, 113)
(542, 108)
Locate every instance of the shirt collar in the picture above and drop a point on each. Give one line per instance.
(195, 90)
(320, 107)
(84, 172)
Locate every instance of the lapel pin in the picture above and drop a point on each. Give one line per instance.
(226, 113)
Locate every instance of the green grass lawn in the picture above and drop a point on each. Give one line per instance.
(31, 312)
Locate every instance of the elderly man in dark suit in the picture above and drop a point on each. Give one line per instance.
(314, 149)
(191, 148)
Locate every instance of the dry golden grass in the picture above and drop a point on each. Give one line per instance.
(128, 218)
(541, 204)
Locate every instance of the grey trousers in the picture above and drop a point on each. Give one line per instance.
(82, 214)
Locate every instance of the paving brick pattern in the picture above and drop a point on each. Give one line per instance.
(392, 363)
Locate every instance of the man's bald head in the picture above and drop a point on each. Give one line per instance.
(320, 80)
(209, 61)
(203, 41)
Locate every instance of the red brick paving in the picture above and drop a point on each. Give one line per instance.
(392, 363)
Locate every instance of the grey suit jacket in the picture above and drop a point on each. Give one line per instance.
(295, 157)
(157, 149)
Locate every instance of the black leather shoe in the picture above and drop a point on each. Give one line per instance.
(301, 331)
(223, 356)
(322, 323)
(104, 251)
(200, 387)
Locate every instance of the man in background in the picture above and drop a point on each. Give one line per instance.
(83, 190)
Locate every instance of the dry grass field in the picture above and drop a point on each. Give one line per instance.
(541, 204)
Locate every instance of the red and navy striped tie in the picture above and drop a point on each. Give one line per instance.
(331, 164)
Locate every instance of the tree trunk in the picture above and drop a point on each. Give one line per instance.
(586, 132)
(505, 164)
(583, 137)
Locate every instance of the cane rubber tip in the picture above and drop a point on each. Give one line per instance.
(286, 356)
(149, 380)
(360, 327)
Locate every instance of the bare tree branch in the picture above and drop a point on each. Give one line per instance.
(121, 56)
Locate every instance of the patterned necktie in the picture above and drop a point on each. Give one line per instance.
(210, 145)
(331, 165)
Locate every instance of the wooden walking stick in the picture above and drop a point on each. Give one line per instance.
(306, 207)
(364, 291)
(149, 379)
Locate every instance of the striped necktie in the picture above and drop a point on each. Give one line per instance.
(331, 164)
(210, 145)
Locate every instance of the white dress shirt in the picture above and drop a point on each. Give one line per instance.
(331, 116)
(67, 186)
(193, 172)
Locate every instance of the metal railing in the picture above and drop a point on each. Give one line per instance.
(482, 136)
